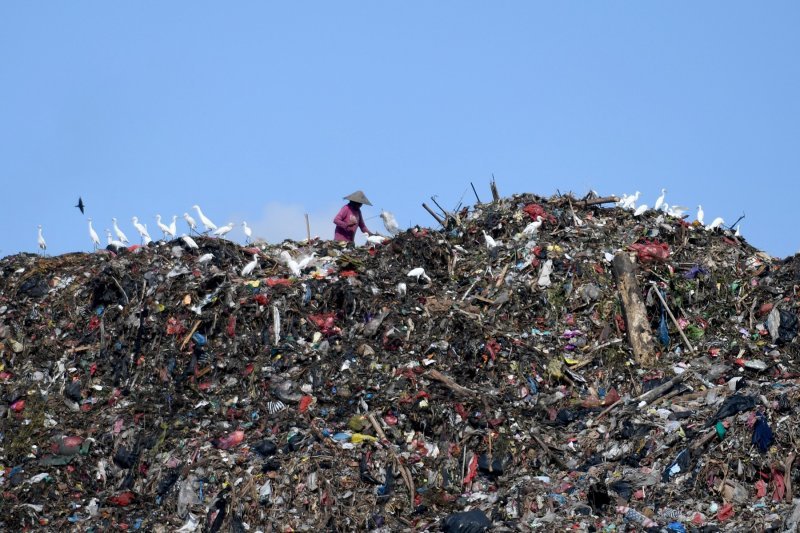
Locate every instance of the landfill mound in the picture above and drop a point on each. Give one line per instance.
(501, 389)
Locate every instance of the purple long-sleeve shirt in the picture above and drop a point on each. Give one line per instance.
(348, 219)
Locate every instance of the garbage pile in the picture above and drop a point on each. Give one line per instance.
(506, 384)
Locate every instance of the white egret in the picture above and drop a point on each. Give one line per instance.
(717, 222)
(418, 272)
(223, 230)
(306, 260)
(93, 235)
(189, 242)
(293, 265)
(249, 267)
(738, 233)
(640, 210)
(660, 200)
(677, 211)
(248, 233)
(390, 222)
(42, 243)
(111, 242)
(700, 214)
(533, 227)
(165, 230)
(142, 230)
(210, 226)
(173, 226)
(190, 222)
(120, 236)
(630, 201)
(491, 244)
(622, 200)
(376, 239)
(205, 258)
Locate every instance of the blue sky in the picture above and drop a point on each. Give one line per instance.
(263, 111)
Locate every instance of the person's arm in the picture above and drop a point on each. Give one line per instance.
(362, 224)
(342, 219)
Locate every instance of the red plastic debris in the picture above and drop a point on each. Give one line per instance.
(231, 328)
(725, 512)
(472, 470)
(305, 401)
(122, 500)
(651, 251)
(230, 441)
(348, 273)
(261, 299)
(325, 323)
(761, 488)
(175, 326)
(274, 282)
(18, 406)
(536, 210)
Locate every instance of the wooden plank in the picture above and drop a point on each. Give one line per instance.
(640, 337)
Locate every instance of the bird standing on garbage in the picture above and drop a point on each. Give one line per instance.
(293, 265)
(190, 222)
(93, 235)
(376, 239)
(491, 244)
(640, 210)
(210, 226)
(223, 230)
(390, 222)
(120, 236)
(717, 222)
(111, 242)
(42, 243)
(173, 226)
(249, 267)
(205, 258)
(533, 227)
(418, 272)
(660, 200)
(165, 230)
(630, 202)
(248, 233)
(700, 214)
(142, 230)
(189, 242)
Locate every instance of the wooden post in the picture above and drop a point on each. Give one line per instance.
(308, 230)
(434, 215)
(476, 192)
(640, 337)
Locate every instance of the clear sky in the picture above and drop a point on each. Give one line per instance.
(262, 111)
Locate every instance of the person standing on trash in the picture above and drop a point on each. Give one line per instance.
(349, 218)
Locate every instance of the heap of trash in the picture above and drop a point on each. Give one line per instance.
(536, 364)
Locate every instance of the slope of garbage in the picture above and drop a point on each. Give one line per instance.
(144, 389)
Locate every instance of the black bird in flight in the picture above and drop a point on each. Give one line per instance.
(80, 204)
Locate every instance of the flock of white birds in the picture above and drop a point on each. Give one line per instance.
(169, 231)
(677, 211)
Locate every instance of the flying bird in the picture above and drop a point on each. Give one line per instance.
(190, 221)
(189, 242)
(390, 222)
(249, 267)
(418, 272)
(717, 222)
(223, 230)
(660, 200)
(700, 214)
(42, 243)
(80, 205)
(210, 226)
(120, 236)
(248, 233)
(93, 235)
(165, 230)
